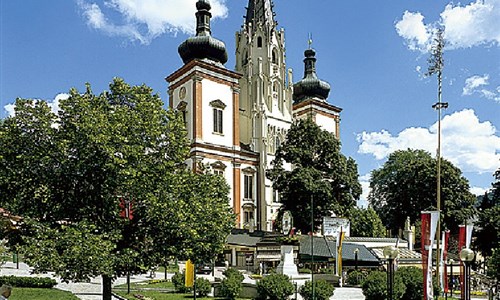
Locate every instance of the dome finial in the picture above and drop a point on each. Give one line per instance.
(203, 45)
(310, 86)
(310, 40)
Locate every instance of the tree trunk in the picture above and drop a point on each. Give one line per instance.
(106, 287)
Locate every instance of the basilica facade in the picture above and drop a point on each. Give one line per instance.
(237, 119)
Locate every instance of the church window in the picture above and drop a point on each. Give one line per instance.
(217, 120)
(259, 42)
(218, 107)
(248, 187)
(274, 57)
(218, 168)
(278, 143)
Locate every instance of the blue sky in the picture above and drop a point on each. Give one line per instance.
(373, 53)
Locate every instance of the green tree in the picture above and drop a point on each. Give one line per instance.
(488, 234)
(406, 184)
(375, 286)
(90, 182)
(274, 287)
(494, 265)
(365, 222)
(320, 174)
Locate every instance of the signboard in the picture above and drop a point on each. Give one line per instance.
(332, 226)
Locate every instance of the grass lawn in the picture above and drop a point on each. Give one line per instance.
(40, 294)
(162, 296)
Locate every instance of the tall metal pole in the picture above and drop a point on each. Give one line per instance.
(312, 246)
(436, 67)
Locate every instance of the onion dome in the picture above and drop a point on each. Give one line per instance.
(203, 45)
(310, 86)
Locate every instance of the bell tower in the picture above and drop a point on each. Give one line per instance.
(265, 99)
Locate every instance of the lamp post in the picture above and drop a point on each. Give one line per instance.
(356, 258)
(467, 256)
(450, 282)
(390, 253)
(312, 246)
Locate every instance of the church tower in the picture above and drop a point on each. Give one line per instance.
(310, 98)
(208, 96)
(266, 97)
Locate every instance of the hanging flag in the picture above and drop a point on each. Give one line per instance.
(461, 245)
(429, 226)
(340, 239)
(189, 275)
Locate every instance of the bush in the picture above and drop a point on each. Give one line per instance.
(355, 278)
(305, 271)
(230, 287)
(375, 286)
(28, 282)
(203, 287)
(275, 287)
(232, 272)
(412, 277)
(322, 290)
(179, 283)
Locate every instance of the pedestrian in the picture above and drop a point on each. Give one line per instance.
(5, 291)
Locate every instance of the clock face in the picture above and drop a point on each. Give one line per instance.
(287, 222)
(182, 93)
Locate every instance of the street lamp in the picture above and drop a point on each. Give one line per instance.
(390, 253)
(467, 256)
(356, 258)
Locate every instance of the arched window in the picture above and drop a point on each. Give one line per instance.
(274, 57)
(259, 42)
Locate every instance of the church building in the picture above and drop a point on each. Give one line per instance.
(237, 119)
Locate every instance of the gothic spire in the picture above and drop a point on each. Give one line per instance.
(260, 11)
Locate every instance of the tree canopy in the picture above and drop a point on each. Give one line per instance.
(406, 185)
(319, 173)
(365, 223)
(488, 235)
(103, 187)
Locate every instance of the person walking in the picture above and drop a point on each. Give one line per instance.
(5, 291)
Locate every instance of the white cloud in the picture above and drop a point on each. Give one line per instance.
(144, 20)
(412, 28)
(473, 24)
(475, 85)
(465, 26)
(53, 104)
(365, 185)
(471, 145)
(478, 191)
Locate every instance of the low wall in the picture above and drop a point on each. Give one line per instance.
(248, 290)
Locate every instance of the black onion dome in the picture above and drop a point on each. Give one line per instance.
(203, 45)
(310, 86)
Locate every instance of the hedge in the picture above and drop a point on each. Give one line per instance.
(28, 282)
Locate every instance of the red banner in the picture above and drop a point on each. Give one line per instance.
(461, 245)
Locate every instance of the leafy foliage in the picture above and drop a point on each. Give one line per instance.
(179, 283)
(320, 174)
(356, 277)
(365, 222)
(203, 287)
(494, 265)
(274, 287)
(375, 286)
(231, 287)
(406, 185)
(322, 290)
(29, 282)
(233, 272)
(488, 236)
(71, 175)
(412, 277)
